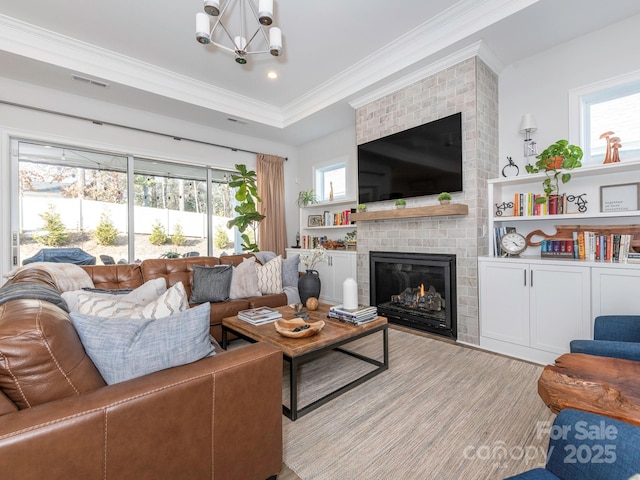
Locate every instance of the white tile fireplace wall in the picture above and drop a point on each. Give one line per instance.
(469, 87)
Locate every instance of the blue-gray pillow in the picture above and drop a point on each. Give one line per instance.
(211, 284)
(124, 348)
(290, 271)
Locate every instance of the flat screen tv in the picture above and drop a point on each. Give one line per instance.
(423, 160)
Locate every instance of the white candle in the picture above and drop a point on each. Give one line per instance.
(350, 293)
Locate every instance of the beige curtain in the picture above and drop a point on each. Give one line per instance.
(272, 232)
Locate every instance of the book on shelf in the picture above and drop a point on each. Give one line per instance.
(360, 312)
(259, 315)
(526, 205)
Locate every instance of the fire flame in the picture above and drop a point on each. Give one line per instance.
(422, 289)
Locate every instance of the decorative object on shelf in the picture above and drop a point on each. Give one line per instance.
(350, 294)
(566, 232)
(306, 198)
(351, 238)
(528, 125)
(315, 221)
(613, 144)
(502, 207)
(243, 13)
(580, 202)
(510, 165)
(401, 203)
(552, 161)
(362, 207)
(298, 327)
(312, 303)
(245, 181)
(619, 198)
(444, 198)
(309, 284)
(513, 244)
(331, 191)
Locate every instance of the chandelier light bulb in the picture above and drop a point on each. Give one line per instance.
(265, 12)
(202, 28)
(212, 7)
(275, 41)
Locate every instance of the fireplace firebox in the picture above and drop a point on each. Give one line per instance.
(417, 290)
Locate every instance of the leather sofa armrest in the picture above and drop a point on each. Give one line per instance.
(222, 413)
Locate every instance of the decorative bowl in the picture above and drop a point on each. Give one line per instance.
(286, 327)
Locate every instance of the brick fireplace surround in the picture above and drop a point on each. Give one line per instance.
(469, 87)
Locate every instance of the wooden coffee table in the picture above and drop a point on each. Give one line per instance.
(297, 351)
(604, 385)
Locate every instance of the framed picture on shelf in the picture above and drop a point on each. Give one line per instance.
(315, 221)
(619, 198)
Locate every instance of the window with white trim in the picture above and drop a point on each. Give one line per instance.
(331, 182)
(614, 108)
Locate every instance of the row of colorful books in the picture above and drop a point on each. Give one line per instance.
(339, 218)
(525, 205)
(357, 316)
(590, 246)
(260, 315)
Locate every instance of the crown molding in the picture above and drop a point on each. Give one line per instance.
(463, 19)
(46, 46)
(456, 23)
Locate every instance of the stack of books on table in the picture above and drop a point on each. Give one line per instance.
(256, 316)
(354, 316)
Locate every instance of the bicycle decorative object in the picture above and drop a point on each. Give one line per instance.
(502, 207)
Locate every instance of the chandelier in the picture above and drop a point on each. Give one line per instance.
(245, 17)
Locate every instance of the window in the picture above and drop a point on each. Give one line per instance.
(331, 182)
(611, 108)
(69, 197)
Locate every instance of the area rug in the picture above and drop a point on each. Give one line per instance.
(441, 411)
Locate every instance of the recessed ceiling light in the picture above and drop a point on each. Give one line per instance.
(273, 75)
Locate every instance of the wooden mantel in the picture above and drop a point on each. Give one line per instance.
(428, 211)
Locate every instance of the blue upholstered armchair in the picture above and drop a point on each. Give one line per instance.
(613, 336)
(586, 446)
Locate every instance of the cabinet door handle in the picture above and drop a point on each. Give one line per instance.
(531, 279)
(525, 276)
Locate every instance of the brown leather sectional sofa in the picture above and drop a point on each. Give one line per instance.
(180, 270)
(219, 417)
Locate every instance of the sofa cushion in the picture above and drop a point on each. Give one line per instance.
(172, 301)
(6, 405)
(143, 295)
(290, 267)
(42, 357)
(67, 276)
(244, 281)
(124, 348)
(211, 284)
(175, 270)
(115, 276)
(270, 276)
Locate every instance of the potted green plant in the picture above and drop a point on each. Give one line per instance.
(400, 203)
(245, 182)
(306, 198)
(554, 161)
(444, 198)
(362, 207)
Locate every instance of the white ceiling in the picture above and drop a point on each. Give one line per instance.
(335, 52)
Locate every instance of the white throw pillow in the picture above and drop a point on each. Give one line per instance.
(170, 302)
(143, 295)
(244, 282)
(270, 276)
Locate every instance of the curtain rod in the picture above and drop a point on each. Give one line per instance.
(111, 124)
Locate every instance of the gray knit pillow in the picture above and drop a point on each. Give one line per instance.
(211, 284)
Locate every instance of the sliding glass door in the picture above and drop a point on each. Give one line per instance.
(117, 208)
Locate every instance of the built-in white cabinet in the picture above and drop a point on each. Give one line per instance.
(533, 310)
(532, 307)
(616, 291)
(339, 266)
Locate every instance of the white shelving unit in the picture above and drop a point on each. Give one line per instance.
(332, 232)
(532, 307)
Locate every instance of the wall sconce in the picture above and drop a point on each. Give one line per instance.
(527, 126)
